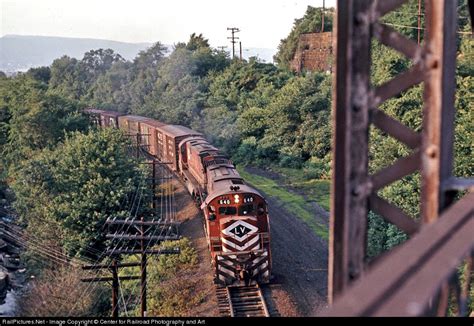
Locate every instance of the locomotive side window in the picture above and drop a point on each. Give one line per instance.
(246, 209)
(227, 210)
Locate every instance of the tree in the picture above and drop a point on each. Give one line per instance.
(253, 122)
(149, 58)
(243, 85)
(112, 90)
(298, 117)
(41, 74)
(99, 61)
(34, 119)
(197, 42)
(74, 79)
(180, 91)
(77, 186)
(65, 79)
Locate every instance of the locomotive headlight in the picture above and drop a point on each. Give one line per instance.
(236, 199)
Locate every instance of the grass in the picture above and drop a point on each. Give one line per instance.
(317, 190)
(293, 202)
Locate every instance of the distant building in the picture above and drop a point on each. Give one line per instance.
(314, 52)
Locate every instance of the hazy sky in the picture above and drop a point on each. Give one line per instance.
(262, 22)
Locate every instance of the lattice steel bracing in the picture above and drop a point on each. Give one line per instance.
(356, 102)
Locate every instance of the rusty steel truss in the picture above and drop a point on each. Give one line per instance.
(354, 190)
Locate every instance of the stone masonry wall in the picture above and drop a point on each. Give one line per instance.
(313, 52)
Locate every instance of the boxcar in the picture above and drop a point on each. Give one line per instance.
(104, 118)
(131, 123)
(135, 126)
(150, 136)
(196, 153)
(169, 137)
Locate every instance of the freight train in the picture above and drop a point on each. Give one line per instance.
(236, 215)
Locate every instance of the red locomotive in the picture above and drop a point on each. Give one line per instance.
(236, 215)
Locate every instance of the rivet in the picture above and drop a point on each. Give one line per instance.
(359, 19)
(431, 151)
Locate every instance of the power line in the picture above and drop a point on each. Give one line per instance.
(169, 199)
(421, 28)
(138, 190)
(233, 38)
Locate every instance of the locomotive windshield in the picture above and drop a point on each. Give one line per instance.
(246, 209)
(227, 210)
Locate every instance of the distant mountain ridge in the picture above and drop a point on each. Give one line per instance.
(22, 52)
(19, 53)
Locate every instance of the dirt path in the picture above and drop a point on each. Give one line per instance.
(300, 259)
(192, 228)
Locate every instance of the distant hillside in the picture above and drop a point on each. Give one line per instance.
(19, 53)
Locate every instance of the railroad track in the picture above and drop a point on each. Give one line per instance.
(242, 301)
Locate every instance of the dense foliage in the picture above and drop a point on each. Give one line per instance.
(32, 119)
(66, 183)
(67, 193)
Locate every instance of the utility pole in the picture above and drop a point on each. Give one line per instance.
(113, 268)
(153, 187)
(240, 45)
(322, 16)
(143, 271)
(144, 241)
(115, 289)
(419, 21)
(233, 38)
(222, 48)
(138, 145)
